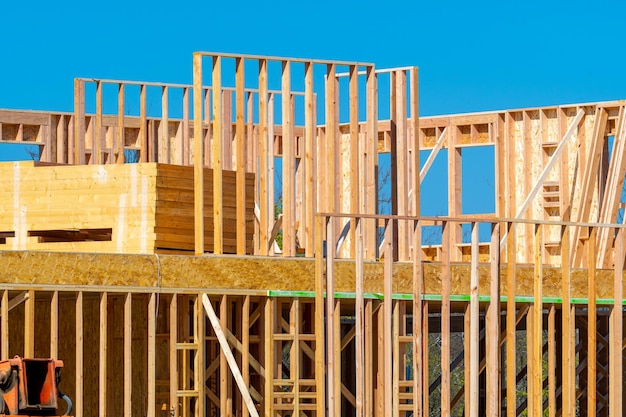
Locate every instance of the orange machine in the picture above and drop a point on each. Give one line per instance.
(29, 387)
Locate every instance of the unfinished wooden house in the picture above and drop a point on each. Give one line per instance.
(219, 249)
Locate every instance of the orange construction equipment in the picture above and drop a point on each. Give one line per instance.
(29, 387)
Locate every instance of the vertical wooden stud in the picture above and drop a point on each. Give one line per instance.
(474, 326)
(198, 172)
(151, 355)
(289, 197)
(319, 315)
(387, 319)
(78, 401)
(173, 355)
(143, 124)
(310, 206)
(102, 356)
(54, 325)
(264, 219)
(120, 158)
(78, 151)
(492, 337)
(4, 337)
(164, 144)
(445, 320)
(128, 375)
(240, 156)
(216, 72)
(511, 372)
(591, 322)
(616, 370)
(29, 325)
(96, 157)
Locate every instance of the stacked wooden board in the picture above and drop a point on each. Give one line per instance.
(129, 208)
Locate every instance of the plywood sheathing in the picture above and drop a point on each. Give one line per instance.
(239, 274)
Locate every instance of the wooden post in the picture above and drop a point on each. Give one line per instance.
(616, 371)
(54, 327)
(492, 336)
(567, 326)
(78, 401)
(143, 124)
(4, 322)
(216, 72)
(289, 191)
(173, 356)
(128, 387)
(387, 319)
(418, 318)
(474, 325)
(96, 151)
(360, 363)
(310, 191)
(511, 373)
(537, 327)
(77, 154)
(264, 218)
(164, 144)
(332, 400)
(591, 323)
(241, 155)
(319, 315)
(29, 325)
(120, 137)
(151, 355)
(445, 320)
(198, 172)
(355, 175)
(102, 356)
(199, 370)
(371, 164)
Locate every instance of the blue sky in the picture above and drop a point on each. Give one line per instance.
(472, 56)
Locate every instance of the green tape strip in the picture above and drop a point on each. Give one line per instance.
(438, 297)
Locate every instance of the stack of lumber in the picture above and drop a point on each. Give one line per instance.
(129, 208)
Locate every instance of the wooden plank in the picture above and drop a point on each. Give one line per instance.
(387, 329)
(415, 177)
(120, 136)
(80, 381)
(128, 386)
(199, 365)
(355, 177)
(245, 351)
(268, 397)
(371, 159)
(418, 336)
(319, 315)
(511, 372)
(616, 371)
(331, 360)
(359, 322)
(4, 326)
(567, 329)
(552, 404)
(310, 203)
(590, 245)
(29, 325)
(403, 165)
(151, 330)
(492, 323)
(537, 326)
(173, 355)
(445, 320)
(54, 327)
(264, 219)
(216, 75)
(241, 151)
(96, 157)
(78, 154)
(102, 355)
(197, 160)
(474, 326)
(332, 120)
(143, 126)
(164, 144)
(288, 163)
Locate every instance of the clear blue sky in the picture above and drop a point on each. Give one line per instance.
(473, 56)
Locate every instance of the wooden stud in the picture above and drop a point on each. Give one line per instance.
(78, 155)
(120, 158)
(445, 320)
(216, 72)
(143, 124)
(552, 365)
(54, 327)
(4, 324)
(187, 152)
(164, 144)
(225, 398)
(371, 163)
(511, 373)
(245, 353)
(616, 370)
(355, 177)
(418, 318)
(103, 355)
(319, 315)
(29, 325)
(264, 220)
(331, 359)
(493, 327)
(569, 366)
(151, 408)
(309, 160)
(536, 394)
(268, 397)
(78, 401)
(359, 322)
(288, 163)
(96, 156)
(591, 323)
(474, 326)
(414, 160)
(128, 386)
(199, 371)
(198, 172)
(173, 355)
(241, 151)
(387, 319)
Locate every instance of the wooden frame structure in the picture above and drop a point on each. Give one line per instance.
(507, 312)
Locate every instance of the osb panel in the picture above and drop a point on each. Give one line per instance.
(234, 273)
